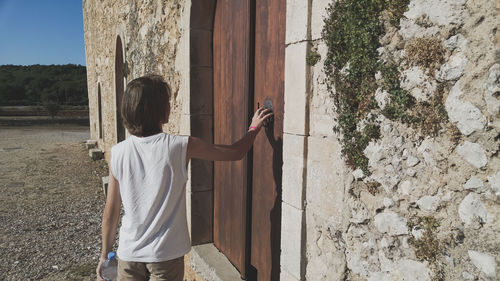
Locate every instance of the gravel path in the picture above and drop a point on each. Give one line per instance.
(51, 205)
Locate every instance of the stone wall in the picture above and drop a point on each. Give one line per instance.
(151, 32)
(429, 210)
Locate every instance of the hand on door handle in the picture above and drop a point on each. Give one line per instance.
(260, 117)
(268, 104)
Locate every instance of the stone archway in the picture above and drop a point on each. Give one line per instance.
(119, 88)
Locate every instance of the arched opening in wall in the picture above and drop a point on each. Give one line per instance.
(119, 88)
(99, 110)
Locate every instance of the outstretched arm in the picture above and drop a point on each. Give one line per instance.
(110, 219)
(198, 148)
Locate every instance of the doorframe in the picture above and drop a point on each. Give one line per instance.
(201, 116)
(201, 26)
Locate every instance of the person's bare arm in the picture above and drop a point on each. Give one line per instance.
(200, 149)
(110, 220)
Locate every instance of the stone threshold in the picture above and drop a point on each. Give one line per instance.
(211, 264)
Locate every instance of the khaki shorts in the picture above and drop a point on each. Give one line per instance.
(171, 270)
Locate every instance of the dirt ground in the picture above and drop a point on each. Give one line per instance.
(51, 204)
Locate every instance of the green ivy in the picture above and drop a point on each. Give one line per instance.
(312, 58)
(352, 30)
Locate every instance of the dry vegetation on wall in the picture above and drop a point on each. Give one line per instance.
(352, 30)
(415, 87)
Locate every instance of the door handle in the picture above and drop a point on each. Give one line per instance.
(268, 104)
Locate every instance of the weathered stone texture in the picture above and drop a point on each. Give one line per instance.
(452, 177)
(150, 32)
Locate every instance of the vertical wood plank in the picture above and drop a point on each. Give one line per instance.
(267, 152)
(231, 72)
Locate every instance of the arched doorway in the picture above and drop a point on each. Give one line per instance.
(237, 62)
(119, 88)
(99, 110)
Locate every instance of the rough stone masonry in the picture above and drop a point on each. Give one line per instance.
(435, 214)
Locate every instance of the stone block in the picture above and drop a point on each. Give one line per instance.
(293, 170)
(185, 124)
(474, 183)
(318, 15)
(212, 264)
(492, 87)
(428, 203)
(453, 69)
(391, 223)
(295, 89)
(485, 262)
(464, 114)
(494, 181)
(322, 107)
(326, 176)
(321, 124)
(105, 182)
(472, 211)
(91, 144)
(418, 83)
(286, 276)
(325, 259)
(297, 12)
(96, 154)
(291, 240)
(472, 153)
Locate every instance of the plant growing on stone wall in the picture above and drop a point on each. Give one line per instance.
(431, 115)
(427, 247)
(425, 52)
(312, 58)
(428, 54)
(351, 32)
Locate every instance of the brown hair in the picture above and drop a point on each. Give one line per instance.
(145, 104)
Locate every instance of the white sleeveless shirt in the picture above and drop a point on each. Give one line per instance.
(152, 175)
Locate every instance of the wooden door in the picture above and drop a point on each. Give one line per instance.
(267, 152)
(248, 54)
(231, 110)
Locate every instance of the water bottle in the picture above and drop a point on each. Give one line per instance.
(109, 269)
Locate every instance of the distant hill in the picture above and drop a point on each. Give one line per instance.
(43, 84)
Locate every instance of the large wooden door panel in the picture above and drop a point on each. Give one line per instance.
(267, 152)
(248, 61)
(231, 102)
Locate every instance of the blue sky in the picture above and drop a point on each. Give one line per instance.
(41, 32)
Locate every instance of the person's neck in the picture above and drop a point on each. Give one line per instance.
(152, 134)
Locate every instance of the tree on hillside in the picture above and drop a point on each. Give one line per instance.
(40, 84)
